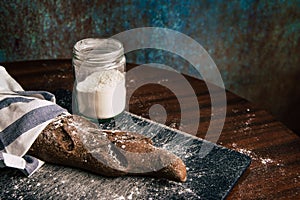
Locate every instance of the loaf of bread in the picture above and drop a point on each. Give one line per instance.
(71, 140)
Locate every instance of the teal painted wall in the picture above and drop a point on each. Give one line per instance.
(255, 44)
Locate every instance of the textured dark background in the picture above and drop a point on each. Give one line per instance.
(255, 44)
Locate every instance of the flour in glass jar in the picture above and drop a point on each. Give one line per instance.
(102, 94)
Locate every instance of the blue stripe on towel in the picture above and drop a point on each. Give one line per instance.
(8, 101)
(32, 164)
(46, 95)
(1, 144)
(28, 121)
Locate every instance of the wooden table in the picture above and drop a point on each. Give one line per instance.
(275, 150)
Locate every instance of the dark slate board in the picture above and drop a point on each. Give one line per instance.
(210, 176)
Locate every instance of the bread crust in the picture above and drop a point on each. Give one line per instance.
(71, 140)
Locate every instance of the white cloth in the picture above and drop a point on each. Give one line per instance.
(23, 116)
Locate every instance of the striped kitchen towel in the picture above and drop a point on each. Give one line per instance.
(23, 116)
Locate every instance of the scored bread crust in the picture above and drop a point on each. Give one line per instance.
(71, 140)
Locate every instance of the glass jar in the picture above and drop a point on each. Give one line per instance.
(99, 67)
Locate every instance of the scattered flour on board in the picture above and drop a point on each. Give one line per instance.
(119, 197)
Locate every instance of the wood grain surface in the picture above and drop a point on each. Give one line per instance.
(275, 150)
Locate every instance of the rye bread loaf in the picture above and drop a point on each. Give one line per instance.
(71, 140)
